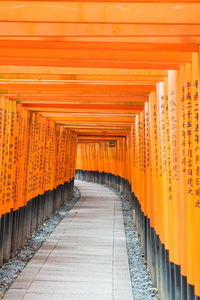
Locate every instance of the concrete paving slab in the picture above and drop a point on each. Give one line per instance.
(69, 296)
(15, 294)
(70, 275)
(65, 287)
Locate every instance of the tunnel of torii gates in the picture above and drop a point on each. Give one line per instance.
(117, 83)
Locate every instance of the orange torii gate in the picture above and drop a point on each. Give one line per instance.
(121, 80)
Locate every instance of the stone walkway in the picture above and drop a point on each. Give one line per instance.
(85, 258)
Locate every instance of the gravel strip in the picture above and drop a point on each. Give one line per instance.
(11, 270)
(139, 271)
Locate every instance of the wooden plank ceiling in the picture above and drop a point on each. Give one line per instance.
(90, 66)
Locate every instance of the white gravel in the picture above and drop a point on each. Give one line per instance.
(139, 272)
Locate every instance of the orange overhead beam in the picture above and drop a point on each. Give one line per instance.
(88, 114)
(10, 69)
(76, 88)
(35, 103)
(121, 133)
(85, 106)
(77, 82)
(100, 12)
(126, 1)
(65, 29)
(91, 54)
(89, 63)
(190, 43)
(93, 130)
(73, 86)
(102, 131)
(15, 96)
(98, 116)
(95, 126)
(82, 78)
(84, 110)
(82, 114)
(91, 119)
(82, 138)
(99, 122)
(84, 99)
(107, 45)
(93, 138)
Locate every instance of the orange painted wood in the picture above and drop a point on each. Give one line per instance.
(96, 12)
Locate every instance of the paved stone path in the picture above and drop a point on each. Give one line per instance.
(85, 257)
